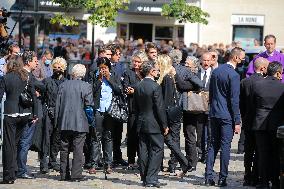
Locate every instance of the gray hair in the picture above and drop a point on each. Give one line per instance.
(78, 71)
(140, 54)
(176, 55)
(260, 61)
(194, 60)
(146, 67)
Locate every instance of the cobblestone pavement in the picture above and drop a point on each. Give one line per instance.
(122, 179)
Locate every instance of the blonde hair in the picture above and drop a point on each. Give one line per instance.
(78, 71)
(61, 61)
(165, 64)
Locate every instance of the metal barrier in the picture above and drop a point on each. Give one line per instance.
(2, 120)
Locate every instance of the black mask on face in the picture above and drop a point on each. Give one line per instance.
(156, 78)
(58, 73)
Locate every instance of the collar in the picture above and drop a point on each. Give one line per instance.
(231, 65)
(147, 77)
(27, 69)
(271, 54)
(207, 71)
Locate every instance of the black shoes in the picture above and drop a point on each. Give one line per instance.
(222, 183)
(79, 179)
(209, 182)
(121, 162)
(26, 176)
(7, 182)
(191, 169)
(55, 167)
(154, 185)
(44, 171)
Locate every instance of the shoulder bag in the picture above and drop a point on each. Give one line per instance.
(26, 98)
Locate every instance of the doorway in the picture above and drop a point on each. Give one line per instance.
(143, 31)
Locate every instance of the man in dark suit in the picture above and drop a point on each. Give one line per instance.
(247, 113)
(269, 115)
(196, 122)
(151, 124)
(224, 91)
(73, 97)
(118, 69)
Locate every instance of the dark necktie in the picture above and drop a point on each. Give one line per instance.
(204, 79)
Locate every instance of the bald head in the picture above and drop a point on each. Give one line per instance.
(260, 65)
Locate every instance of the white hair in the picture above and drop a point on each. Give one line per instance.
(78, 71)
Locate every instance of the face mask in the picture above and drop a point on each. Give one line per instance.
(157, 77)
(47, 62)
(58, 73)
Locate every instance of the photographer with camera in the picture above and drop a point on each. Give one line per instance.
(13, 49)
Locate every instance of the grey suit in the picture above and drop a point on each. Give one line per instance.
(73, 97)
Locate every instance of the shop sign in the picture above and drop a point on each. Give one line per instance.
(254, 20)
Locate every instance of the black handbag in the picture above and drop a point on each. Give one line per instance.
(26, 98)
(118, 109)
(174, 113)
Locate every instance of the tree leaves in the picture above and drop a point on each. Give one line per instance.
(184, 12)
(104, 12)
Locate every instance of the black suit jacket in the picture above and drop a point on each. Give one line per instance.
(150, 107)
(269, 100)
(13, 86)
(247, 106)
(130, 80)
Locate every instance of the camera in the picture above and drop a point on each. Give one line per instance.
(4, 14)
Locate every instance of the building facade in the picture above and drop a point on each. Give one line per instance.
(235, 20)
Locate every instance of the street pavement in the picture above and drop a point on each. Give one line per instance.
(124, 179)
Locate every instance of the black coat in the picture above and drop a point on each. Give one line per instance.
(268, 99)
(13, 86)
(169, 91)
(130, 80)
(150, 107)
(247, 106)
(97, 86)
(51, 89)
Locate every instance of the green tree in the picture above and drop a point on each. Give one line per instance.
(104, 12)
(184, 12)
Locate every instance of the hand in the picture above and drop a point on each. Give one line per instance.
(237, 129)
(34, 120)
(107, 75)
(173, 71)
(129, 90)
(37, 93)
(166, 131)
(100, 76)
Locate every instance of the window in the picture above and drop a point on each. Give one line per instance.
(247, 35)
(164, 32)
(122, 31)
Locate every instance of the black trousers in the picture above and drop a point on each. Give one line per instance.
(175, 137)
(250, 156)
(102, 136)
(116, 137)
(175, 150)
(193, 123)
(51, 143)
(12, 132)
(132, 139)
(241, 142)
(74, 140)
(151, 149)
(268, 157)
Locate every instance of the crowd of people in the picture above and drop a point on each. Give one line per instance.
(84, 113)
